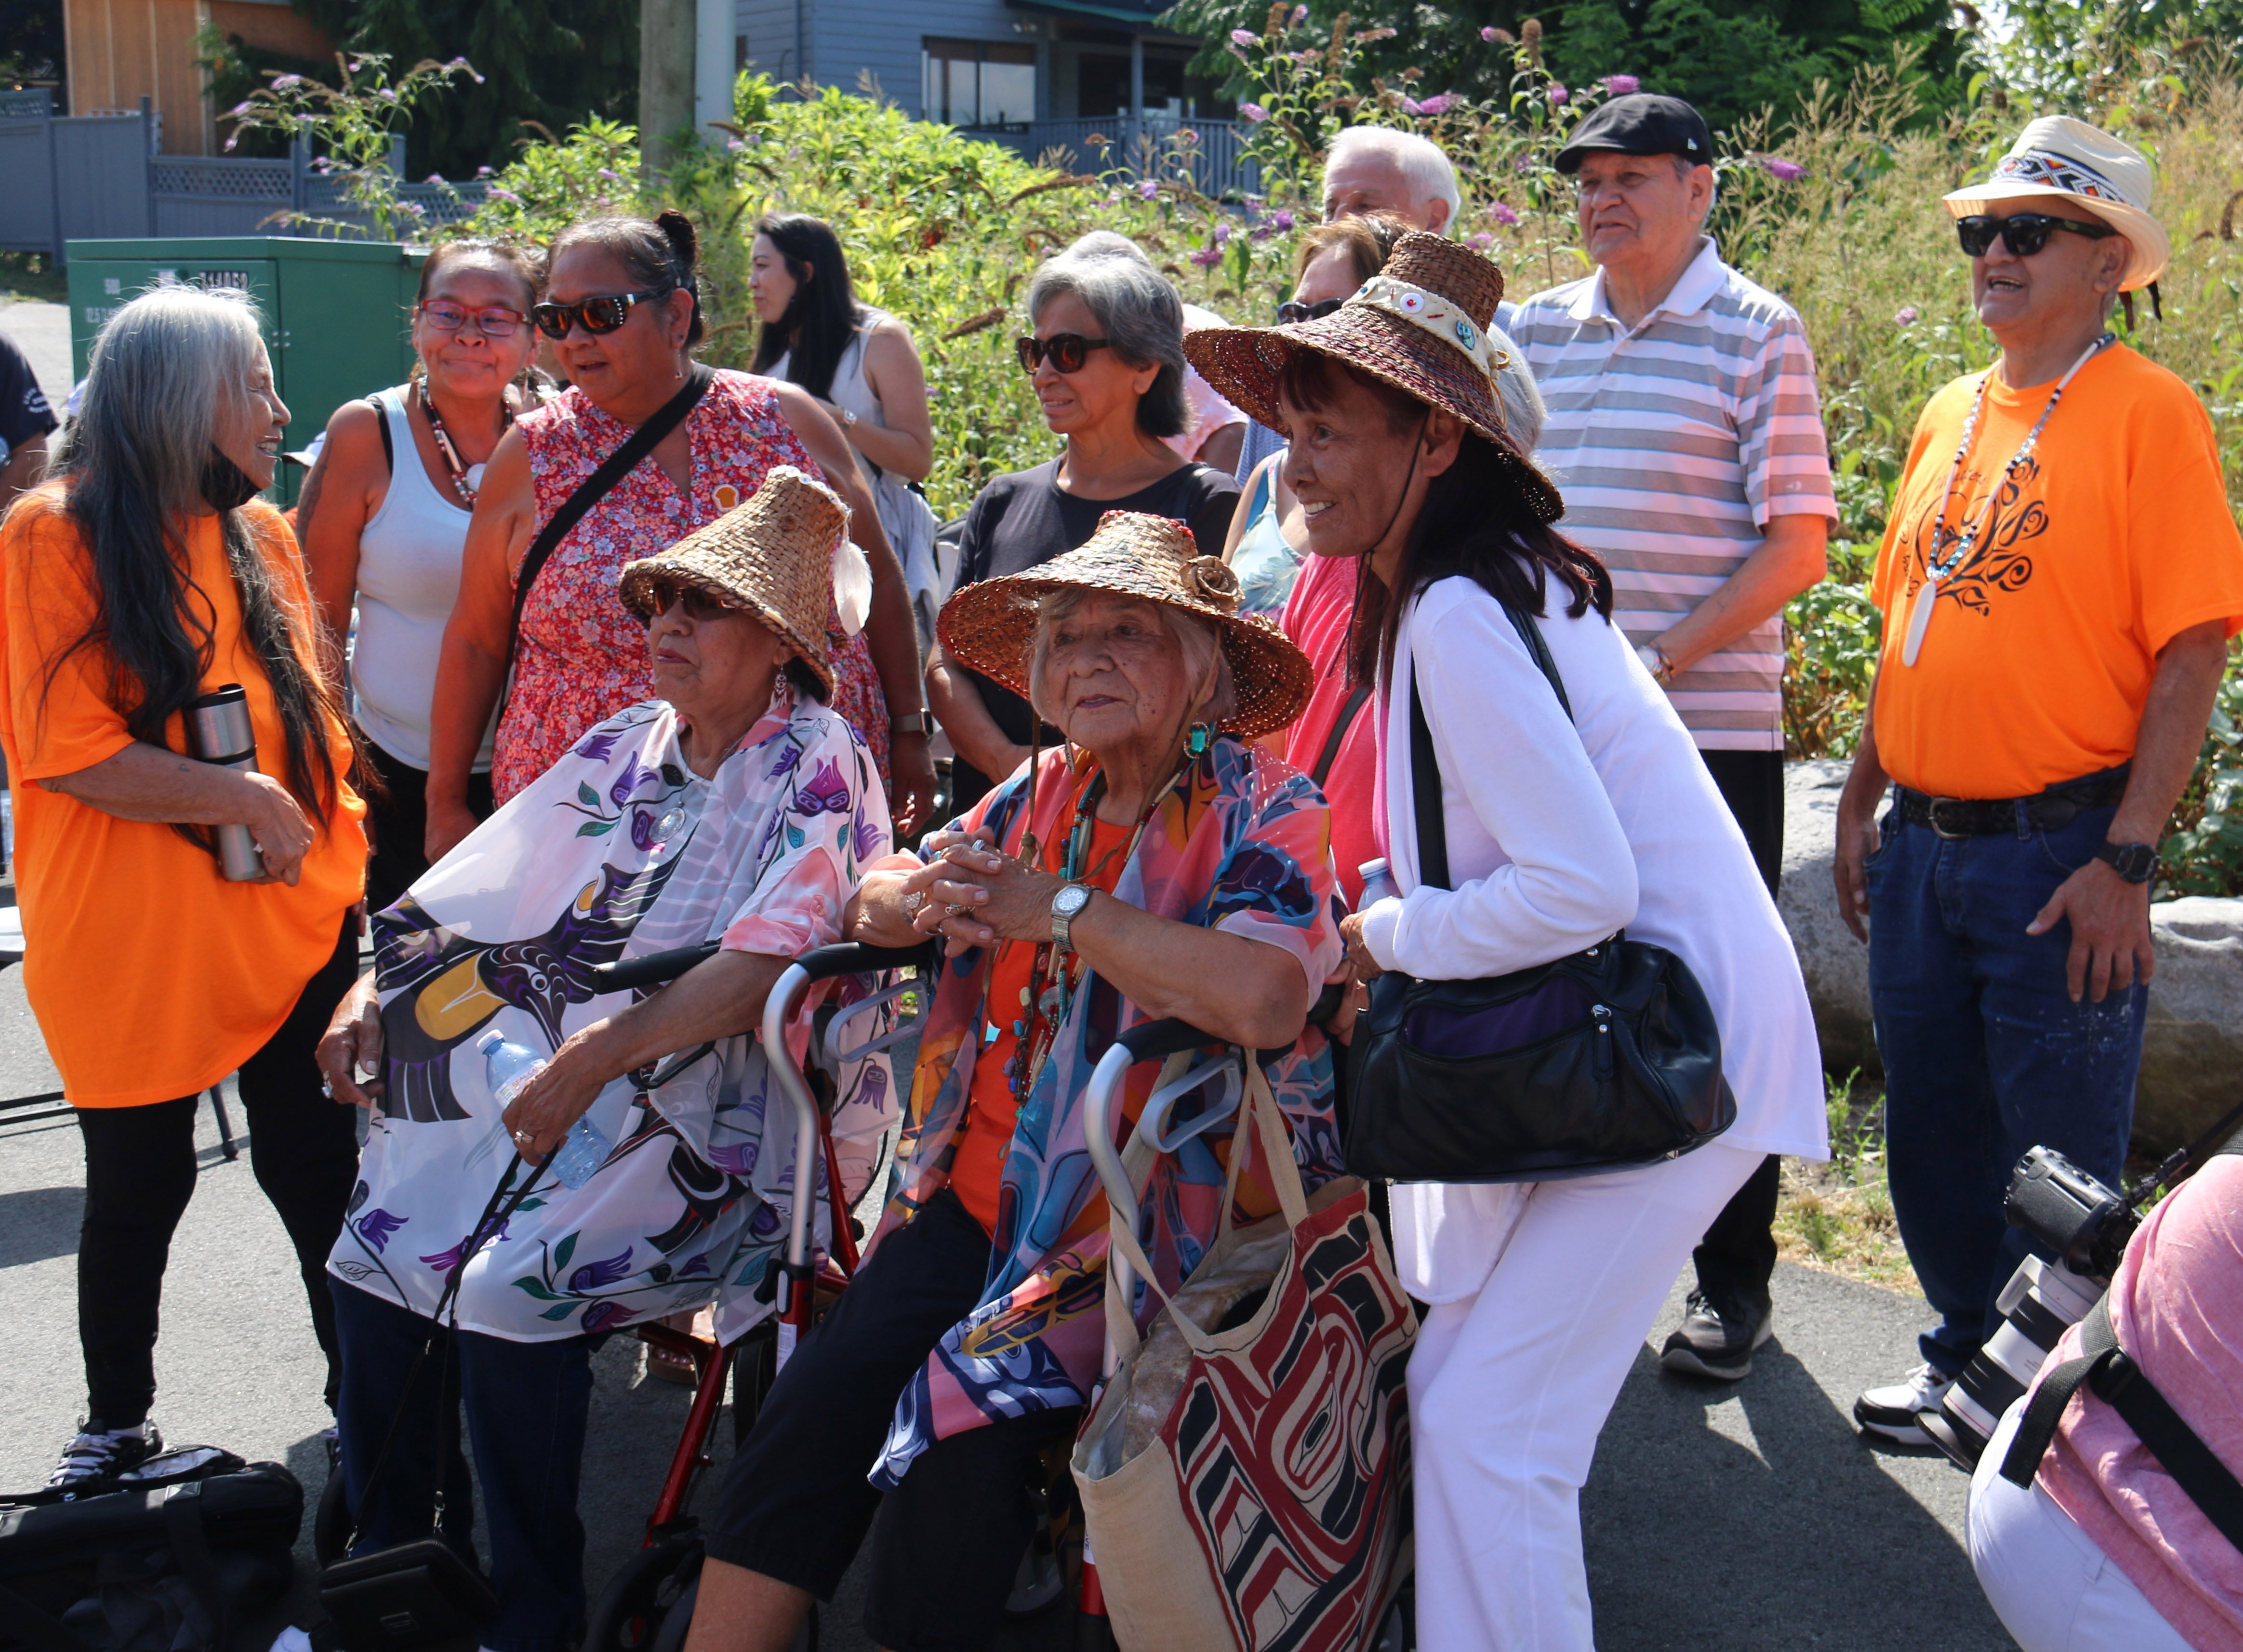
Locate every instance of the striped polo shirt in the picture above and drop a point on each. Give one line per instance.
(1674, 443)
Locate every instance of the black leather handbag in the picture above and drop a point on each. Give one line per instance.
(1594, 1063)
(420, 1596)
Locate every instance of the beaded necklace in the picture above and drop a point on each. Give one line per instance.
(1052, 978)
(1965, 539)
(467, 480)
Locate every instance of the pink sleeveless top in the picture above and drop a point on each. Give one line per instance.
(582, 656)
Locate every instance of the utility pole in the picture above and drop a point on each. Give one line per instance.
(666, 30)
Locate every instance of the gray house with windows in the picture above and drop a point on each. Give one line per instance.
(1041, 76)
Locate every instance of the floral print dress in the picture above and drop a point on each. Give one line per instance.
(617, 850)
(582, 656)
(1241, 842)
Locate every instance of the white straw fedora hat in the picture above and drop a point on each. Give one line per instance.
(2057, 155)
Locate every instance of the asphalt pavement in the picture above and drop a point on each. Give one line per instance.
(1717, 1517)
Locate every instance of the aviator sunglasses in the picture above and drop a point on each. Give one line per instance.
(495, 322)
(597, 316)
(1292, 313)
(700, 606)
(2024, 234)
(1066, 351)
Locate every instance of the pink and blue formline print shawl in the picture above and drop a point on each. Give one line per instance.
(1242, 843)
(617, 850)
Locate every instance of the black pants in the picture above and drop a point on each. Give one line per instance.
(397, 824)
(796, 1504)
(140, 1172)
(1737, 1259)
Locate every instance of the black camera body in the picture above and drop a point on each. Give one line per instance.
(2085, 1224)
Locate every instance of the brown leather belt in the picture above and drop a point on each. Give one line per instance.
(2051, 811)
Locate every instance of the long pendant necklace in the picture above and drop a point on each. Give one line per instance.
(1052, 981)
(1967, 539)
(467, 480)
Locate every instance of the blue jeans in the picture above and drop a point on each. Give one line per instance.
(1985, 1054)
(527, 1404)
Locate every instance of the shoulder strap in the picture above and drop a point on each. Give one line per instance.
(1425, 794)
(183, 1524)
(389, 440)
(1425, 767)
(596, 486)
(2120, 1381)
(1341, 724)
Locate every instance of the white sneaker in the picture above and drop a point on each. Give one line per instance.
(1893, 1412)
(98, 1454)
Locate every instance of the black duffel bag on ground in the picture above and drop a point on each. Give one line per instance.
(169, 1560)
(1594, 1063)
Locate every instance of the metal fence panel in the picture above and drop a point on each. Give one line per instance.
(208, 195)
(1219, 164)
(27, 185)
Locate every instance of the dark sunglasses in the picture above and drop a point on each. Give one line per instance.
(700, 606)
(2024, 234)
(1066, 351)
(1293, 314)
(495, 322)
(597, 316)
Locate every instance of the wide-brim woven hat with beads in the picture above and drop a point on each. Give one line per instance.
(771, 556)
(2107, 177)
(1420, 324)
(988, 626)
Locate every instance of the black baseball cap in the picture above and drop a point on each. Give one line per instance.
(1642, 122)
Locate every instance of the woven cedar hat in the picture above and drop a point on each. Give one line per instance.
(1420, 324)
(771, 555)
(988, 626)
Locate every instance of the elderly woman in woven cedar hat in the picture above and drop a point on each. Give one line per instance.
(1560, 829)
(735, 806)
(1156, 863)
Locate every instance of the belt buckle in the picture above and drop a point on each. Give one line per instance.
(1938, 830)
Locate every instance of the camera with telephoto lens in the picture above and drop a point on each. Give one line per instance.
(2085, 1226)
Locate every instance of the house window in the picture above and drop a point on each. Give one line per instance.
(977, 82)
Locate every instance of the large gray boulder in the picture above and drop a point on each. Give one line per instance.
(2192, 1058)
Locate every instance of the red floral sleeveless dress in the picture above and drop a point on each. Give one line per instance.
(582, 655)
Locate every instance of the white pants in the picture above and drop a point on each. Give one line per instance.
(2048, 1583)
(1509, 1389)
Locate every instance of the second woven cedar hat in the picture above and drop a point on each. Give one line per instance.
(1420, 324)
(988, 626)
(771, 556)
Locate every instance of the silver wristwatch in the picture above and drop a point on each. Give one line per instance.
(1067, 906)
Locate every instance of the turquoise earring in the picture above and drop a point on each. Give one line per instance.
(1196, 742)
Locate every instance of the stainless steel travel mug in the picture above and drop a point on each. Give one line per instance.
(220, 732)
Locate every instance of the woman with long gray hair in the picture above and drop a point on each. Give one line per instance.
(1106, 356)
(145, 574)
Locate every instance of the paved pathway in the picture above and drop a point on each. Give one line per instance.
(1738, 1519)
(42, 333)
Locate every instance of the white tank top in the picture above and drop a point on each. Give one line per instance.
(409, 579)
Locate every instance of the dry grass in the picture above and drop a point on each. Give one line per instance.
(1838, 1216)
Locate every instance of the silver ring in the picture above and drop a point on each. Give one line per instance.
(522, 1138)
(955, 910)
(913, 902)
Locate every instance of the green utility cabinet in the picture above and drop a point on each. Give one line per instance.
(336, 314)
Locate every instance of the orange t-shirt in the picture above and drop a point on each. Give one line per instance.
(977, 1166)
(152, 977)
(2115, 537)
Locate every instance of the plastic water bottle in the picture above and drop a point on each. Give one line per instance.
(1378, 882)
(508, 1068)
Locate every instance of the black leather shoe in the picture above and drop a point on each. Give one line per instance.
(1717, 1337)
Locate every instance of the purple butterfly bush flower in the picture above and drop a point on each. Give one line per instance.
(1300, 15)
(1207, 257)
(1783, 171)
(1412, 106)
(1244, 37)
(1503, 214)
(1906, 316)
(434, 178)
(1439, 103)
(376, 1227)
(1621, 85)
(1284, 219)
(1149, 188)
(1253, 112)
(592, 1275)
(1482, 239)
(498, 194)
(1557, 94)
(612, 175)
(1221, 234)
(484, 171)
(1487, 34)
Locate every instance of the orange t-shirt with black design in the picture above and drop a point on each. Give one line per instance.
(2113, 538)
(152, 977)
(977, 1166)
